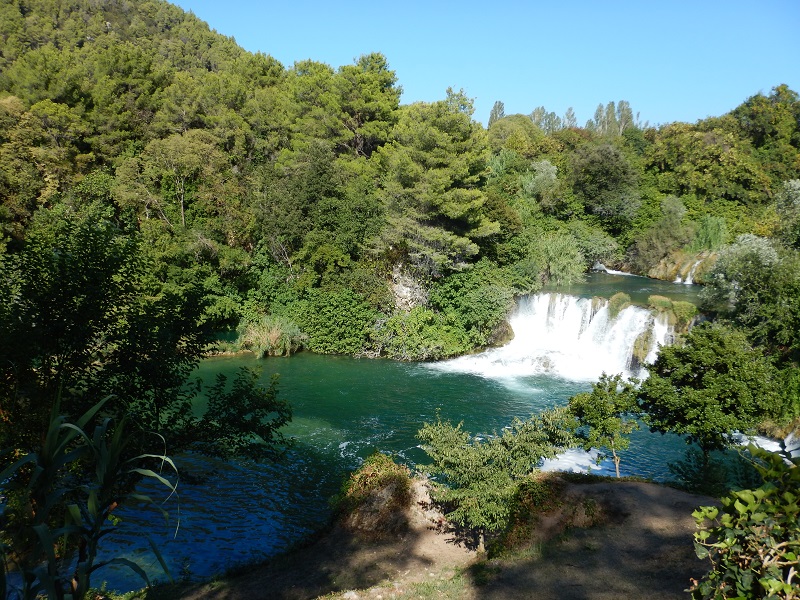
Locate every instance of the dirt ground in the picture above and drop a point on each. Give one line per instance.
(639, 546)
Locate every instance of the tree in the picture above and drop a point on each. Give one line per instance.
(667, 234)
(498, 112)
(477, 475)
(714, 385)
(756, 285)
(604, 180)
(83, 317)
(519, 134)
(608, 414)
(541, 185)
(570, 120)
(548, 122)
(740, 271)
(788, 201)
(432, 172)
(369, 99)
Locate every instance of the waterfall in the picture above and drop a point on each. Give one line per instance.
(571, 338)
(690, 276)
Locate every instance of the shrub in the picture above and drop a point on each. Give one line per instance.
(711, 234)
(660, 303)
(684, 312)
(374, 498)
(420, 334)
(270, 336)
(753, 541)
(336, 322)
(617, 303)
(535, 495)
(478, 300)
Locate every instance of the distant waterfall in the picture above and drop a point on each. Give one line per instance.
(572, 338)
(690, 276)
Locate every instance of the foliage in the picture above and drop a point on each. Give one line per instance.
(606, 415)
(270, 336)
(714, 385)
(756, 286)
(753, 540)
(61, 499)
(740, 267)
(564, 263)
(420, 334)
(244, 419)
(432, 169)
(666, 235)
(477, 475)
(660, 303)
(535, 495)
(336, 322)
(684, 312)
(478, 299)
(788, 202)
(605, 181)
(711, 234)
(377, 473)
(84, 318)
(679, 312)
(617, 303)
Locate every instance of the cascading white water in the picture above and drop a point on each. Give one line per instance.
(690, 276)
(569, 337)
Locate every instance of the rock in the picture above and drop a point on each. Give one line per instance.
(408, 292)
(682, 267)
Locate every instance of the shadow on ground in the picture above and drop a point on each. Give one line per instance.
(644, 549)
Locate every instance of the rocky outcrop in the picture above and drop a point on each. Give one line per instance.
(684, 267)
(408, 292)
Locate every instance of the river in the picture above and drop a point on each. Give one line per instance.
(232, 512)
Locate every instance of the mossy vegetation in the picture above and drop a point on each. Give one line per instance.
(617, 303)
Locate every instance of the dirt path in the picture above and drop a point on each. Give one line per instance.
(641, 549)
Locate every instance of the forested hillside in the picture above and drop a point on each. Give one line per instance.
(307, 206)
(159, 185)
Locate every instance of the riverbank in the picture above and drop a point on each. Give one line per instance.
(603, 539)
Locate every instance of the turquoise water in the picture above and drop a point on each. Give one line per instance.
(231, 512)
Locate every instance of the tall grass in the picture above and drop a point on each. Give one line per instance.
(270, 335)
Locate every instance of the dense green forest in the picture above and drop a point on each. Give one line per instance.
(160, 184)
(285, 196)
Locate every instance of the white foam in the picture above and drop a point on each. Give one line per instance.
(568, 337)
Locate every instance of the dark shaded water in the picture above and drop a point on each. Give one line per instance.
(344, 409)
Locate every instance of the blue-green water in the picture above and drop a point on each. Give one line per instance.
(344, 409)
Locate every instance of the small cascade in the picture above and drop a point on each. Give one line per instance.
(571, 338)
(690, 276)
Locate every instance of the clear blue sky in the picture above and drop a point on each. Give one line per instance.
(673, 60)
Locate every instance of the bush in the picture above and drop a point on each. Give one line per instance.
(685, 312)
(374, 498)
(336, 322)
(660, 303)
(753, 541)
(478, 300)
(617, 303)
(536, 495)
(420, 334)
(711, 234)
(270, 336)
